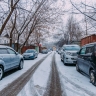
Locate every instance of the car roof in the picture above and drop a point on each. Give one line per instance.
(71, 45)
(4, 46)
(31, 49)
(90, 44)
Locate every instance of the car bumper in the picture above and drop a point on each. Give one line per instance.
(70, 60)
(29, 57)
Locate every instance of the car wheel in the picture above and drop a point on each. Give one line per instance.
(61, 59)
(21, 65)
(77, 68)
(92, 77)
(1, 72)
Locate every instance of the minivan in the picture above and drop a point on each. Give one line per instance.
(69, 53)
(86, 61)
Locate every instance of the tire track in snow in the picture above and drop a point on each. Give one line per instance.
(54, 86)
(16, 86)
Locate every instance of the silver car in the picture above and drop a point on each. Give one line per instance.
(9, 59)
(69, 53)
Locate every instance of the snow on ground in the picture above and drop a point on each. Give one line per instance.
(27, 64)
(73, 82)
(37, 84)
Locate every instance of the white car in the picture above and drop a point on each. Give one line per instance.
(69, 53)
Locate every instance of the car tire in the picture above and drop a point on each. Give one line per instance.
(77, 68)
(61, 60)
(92, 77)
(1, 72)
(21, 65)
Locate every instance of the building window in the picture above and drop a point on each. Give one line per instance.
(0, 41)
(4, 41)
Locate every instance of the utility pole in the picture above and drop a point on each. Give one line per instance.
(85, 20)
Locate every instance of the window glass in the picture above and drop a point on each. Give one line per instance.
(29, 51)
(83, 50)
(71, 48)
(95, 47)
(89, 49)
(11, 51)
(4, 41)
(3, 51)
(0, 41)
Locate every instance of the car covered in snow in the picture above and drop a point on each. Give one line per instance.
(30, 54)
(9, 59)
(69, 53)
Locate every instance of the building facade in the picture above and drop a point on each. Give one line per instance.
(4, 40)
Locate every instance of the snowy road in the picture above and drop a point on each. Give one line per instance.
(27, 64)
(72, 82)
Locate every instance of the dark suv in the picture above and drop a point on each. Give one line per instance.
(86, 61)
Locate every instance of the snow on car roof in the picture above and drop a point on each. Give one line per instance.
(4, 46)
(71, 45)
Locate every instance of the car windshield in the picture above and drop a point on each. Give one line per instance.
(72, 48)
(44, 50)
(29, 51)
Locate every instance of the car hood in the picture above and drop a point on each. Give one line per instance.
(71, 51)
(27, 54)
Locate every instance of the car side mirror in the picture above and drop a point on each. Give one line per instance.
(78, 52)
(17, 53)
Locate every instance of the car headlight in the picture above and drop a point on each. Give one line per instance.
(68, 53)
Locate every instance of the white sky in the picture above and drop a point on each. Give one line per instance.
(69, 6)
(79, 16)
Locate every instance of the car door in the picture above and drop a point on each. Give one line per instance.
(4, 56)
(80, 59)
(88, 58)
(14, 57)
(62, 53)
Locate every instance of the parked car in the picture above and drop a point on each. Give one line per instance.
(69, 53)
(9, 59)
(59, 51)
(30, 54)
(86, 61)
(44, 51)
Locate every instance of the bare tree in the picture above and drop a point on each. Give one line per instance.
(89, 14)
(22, 25)
(12, 4)
(42, 18)
(73, 29)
